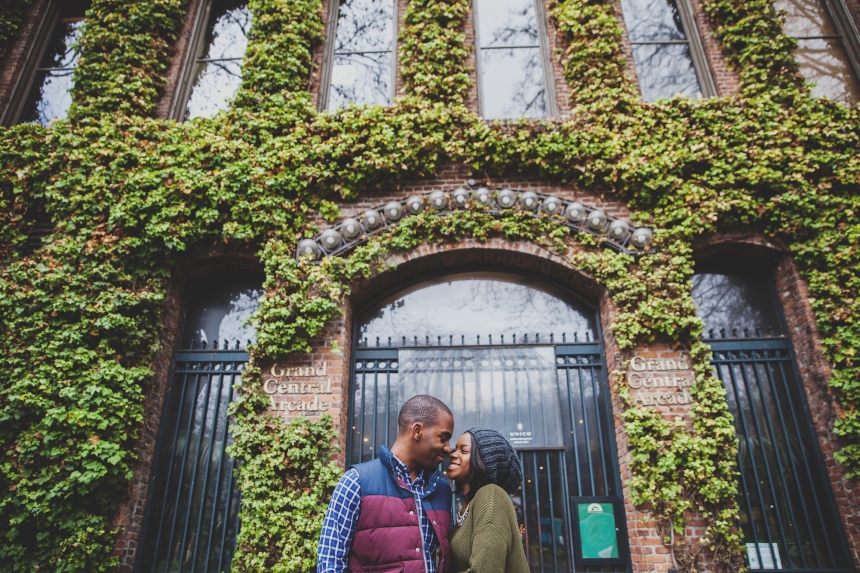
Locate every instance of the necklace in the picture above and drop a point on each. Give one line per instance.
(462, 514)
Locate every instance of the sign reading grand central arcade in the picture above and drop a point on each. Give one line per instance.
(524, 357)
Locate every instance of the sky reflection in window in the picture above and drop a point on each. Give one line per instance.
(218, 74)
(728, 301)
(363, 54)
(661, 50)
(50, 97)
(512, 74)
(459, 308)
(820, 53)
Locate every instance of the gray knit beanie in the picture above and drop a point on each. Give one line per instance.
(500, 461)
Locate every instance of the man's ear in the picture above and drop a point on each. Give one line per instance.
(417, 431)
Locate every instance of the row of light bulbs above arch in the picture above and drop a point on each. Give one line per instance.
(353, 231)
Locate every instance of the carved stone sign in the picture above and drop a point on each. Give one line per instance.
(304, 389)
(659, 381)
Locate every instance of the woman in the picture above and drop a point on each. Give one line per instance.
(486, 539)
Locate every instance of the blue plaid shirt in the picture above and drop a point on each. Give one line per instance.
(341, 519)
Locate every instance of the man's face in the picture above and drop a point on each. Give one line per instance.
(435, 442)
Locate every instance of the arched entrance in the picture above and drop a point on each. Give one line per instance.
(522, 357)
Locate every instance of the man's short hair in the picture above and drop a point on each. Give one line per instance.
(421, 408)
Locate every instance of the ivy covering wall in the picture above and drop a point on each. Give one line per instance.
(131, 197)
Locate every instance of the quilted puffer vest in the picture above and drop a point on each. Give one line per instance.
(388, 536)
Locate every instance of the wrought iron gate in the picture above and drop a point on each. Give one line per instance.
(584, 464)
(788, 513)
(191, 518)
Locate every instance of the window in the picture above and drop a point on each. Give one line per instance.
(824, 47)
(214, 74)
(44, 94)
(193, 502)
(514, 70)
(668, 53)
(788, 514)
(360, 54)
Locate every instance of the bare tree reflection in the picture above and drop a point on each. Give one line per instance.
(50, 97)
(735, 302)
(512, 74)
(363, 58)
(820, 53)
(660, 49)
(462, 309)
(218, 73)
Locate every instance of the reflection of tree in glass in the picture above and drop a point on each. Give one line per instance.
(734, 302)
(823, 61)
(49, 97)
(665, 70)
(368, 81)
(219, 72)
(520, 28)
(364, 25)
(653, 20)
(466, 308)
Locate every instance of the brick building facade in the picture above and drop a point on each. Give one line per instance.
(330, 368)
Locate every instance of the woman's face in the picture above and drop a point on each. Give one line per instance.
(459, 469)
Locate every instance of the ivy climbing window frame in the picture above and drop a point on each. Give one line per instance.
(545, 59)
(55, 14)
(331, 52)
(701, 66)
(846, 36)
(194, 56)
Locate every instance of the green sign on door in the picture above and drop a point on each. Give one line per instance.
(597, 531)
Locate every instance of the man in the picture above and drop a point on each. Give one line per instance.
(393, 513)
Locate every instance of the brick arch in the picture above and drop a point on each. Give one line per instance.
(517, 257)
(814, 369)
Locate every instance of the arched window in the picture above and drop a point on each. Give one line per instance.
(218, 47)
(788, 515)
(516, 355)
(193, 503)
(360, 54)
(514, 70)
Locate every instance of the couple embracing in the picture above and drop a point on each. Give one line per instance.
(393, 514)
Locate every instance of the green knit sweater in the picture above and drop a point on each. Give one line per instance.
(489, 540)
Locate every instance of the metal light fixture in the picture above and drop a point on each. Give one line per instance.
(483, 196)
(415, 205)
(529, 201)
(461, 197)
(350, 228)
(308, 247)
(619, 229)
(551, 205)
(641, 238)
(575, 212)
(438, 200)
(331, 239)
(393, 211)
(506, 198)
(597, 220)
(372, 219)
